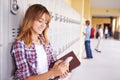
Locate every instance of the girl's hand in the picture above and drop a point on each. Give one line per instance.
(60, 68)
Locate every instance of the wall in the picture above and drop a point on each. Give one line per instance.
(9, 29)
(117, 29)
(118, 25)
(78, 5)
(64, 32)
(96, 21)
(87, 10)
(68, 2)
(0, 38)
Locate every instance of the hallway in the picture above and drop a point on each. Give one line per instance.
(104, 66)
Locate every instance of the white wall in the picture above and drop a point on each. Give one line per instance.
(3, 39)
(0, 37)
(64, 30)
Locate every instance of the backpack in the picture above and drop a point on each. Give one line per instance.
(97, 34)
(92, 32)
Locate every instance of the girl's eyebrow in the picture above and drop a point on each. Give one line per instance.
(42, 19)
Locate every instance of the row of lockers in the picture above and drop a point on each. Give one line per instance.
(63, 33)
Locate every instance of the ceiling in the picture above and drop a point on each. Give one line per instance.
(111, 4)
(114, 4)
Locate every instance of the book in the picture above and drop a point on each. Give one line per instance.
(73, 63)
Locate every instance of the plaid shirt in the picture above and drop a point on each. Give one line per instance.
(25, 58)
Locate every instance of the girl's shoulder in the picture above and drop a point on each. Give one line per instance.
(18, 42)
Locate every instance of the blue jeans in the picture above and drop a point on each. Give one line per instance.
(88, 49)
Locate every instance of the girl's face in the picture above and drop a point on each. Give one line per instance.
(39, 25)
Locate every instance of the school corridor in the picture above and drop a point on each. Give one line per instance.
(65, 34)
(103, 66)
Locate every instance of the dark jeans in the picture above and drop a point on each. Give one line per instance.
(88, 49)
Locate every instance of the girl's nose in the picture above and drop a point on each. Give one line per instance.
(43, 23)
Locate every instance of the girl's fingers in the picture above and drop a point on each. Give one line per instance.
(58, 62)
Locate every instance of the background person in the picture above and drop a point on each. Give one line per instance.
(87, 40)
(106, 32)
(100, 31)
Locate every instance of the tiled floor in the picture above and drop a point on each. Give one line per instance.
(103, 66)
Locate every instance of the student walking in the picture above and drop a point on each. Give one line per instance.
(100, 32)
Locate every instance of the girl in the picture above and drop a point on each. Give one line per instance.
(32, 51)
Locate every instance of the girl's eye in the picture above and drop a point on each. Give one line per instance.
(39, 21)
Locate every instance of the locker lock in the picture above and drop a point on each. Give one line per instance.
(14, 7)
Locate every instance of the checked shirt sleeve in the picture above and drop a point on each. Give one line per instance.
(18, 54)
